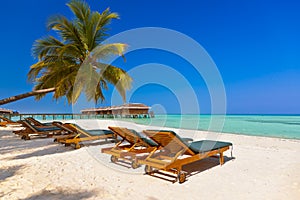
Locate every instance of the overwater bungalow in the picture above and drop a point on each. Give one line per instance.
(4, 111)
(130, 110)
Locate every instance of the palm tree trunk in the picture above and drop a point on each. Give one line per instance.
(25, 95)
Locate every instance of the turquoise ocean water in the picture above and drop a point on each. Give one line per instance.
(282, 126)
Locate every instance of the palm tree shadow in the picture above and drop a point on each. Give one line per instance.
(12, 143)
(47, 151)
(61, 194)
(12, 146)
(9, 172)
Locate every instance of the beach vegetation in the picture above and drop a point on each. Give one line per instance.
(71, 62)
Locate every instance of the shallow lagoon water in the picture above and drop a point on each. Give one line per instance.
(282, 126)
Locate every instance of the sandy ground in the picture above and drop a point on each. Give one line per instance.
(261, 168)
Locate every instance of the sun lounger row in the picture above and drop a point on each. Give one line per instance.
(158, 150)
(67, 133)
(166, 151)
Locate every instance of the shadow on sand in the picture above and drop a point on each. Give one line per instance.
(53, 149)
(9, 172)
(193, 168)
(61, 194)
(10, 142)
(46, 151)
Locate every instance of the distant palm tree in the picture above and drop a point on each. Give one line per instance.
(73, 63)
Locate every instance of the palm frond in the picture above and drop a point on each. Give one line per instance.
(45, 46)
(80, 9)
(66, 29)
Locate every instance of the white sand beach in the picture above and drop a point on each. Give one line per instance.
(262, 168)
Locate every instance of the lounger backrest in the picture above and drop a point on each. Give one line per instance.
(78, 129)
(169, 141)
(143, 140)
(34, 121)
(90, 133)
(40, 129)
(75, 129)
(128, 135)
(29, 125)
(65, 127)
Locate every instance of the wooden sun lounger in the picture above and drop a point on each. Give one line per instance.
(128, 152)
(30, 129)
(5, 121)
(175, 153)
(79, 134)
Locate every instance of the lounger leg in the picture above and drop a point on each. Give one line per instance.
(221, 158)
(134, 163)
(25, 137)
(181, 176)
(77, 146)
(148, 169)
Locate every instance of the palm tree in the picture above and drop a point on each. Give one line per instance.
(73, 63)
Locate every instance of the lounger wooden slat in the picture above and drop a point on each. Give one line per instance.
(162, 162)
(63, 137)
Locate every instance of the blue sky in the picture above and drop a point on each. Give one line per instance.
(255, 45)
